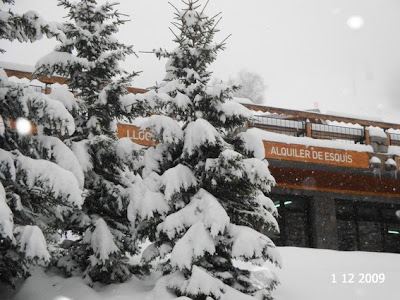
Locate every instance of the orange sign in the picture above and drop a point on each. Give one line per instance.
(317, 155)
(141, 137)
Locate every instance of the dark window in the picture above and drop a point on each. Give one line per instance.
(293, 220)
(367, 226)
(347, 234)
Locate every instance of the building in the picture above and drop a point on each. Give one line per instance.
(337, 182)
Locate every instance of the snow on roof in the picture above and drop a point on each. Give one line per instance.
(136, 122)
(26, 81)
(394, 150)
(395, 131)
(376, 131)
(306, 141)
(17, 67)
(374, 160)
(243, 100)
(19, 80)
(271, 115)
(344, 124)
(352, 116)
(391, 162)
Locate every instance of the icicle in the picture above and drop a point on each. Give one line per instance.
(377, 172)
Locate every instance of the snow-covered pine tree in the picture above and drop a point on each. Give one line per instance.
(89, 58)
(26, 27)
(37, 188)
(213, 181)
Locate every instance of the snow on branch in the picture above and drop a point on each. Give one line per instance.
(6, 217)
(200, 283)
(199, 133)
(7, 168)
(31, 241)
(54, 148)
(54, 179)
(127, 151)
(253, 144)
(163, 128)
(62, 94)
(231, 108)
(176, 179)
(102, 241)
(143, 202)
(81, 151)
(258, 173)
(195, 243)
(203, 207)
(19, 100)
(55, 62)
(250, 245)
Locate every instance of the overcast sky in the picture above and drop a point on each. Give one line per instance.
(304, 49)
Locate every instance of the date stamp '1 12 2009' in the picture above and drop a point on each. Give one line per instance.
(362, 278)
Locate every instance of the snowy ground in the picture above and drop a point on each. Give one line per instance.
(307, 275)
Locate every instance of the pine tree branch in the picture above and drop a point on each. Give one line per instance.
(174, 33)
(173, 7)
(202, 11)
(223, 42)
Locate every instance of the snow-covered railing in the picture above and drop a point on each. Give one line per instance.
(395, 139)
(318, 131)
(289, 127)
(37, 88)
(331, 132)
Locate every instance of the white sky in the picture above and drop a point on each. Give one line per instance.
(303, 48)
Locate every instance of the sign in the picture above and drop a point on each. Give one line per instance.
(141, 137)
(317, 155)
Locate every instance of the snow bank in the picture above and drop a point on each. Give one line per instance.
(306, 275)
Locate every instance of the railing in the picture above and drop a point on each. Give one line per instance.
(37, 88)
(317, 131)
(395, 139)
(330, 132)
(288, 127)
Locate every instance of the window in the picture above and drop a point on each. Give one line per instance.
(367, 226)
(293, 220)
